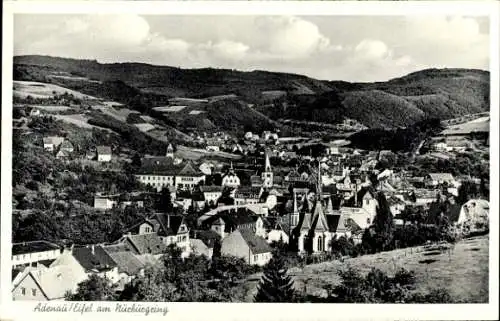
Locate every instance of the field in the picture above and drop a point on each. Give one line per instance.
(478, 125)
(464, 272)
(195, 153)
(42, 90)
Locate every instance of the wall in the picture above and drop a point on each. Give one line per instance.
(103, 158)
(28, 284)
(235, 245)
(157, 181)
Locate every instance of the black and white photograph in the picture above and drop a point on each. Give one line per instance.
(250, 158)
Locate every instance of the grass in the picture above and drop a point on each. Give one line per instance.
(463, 272)
(44, 90)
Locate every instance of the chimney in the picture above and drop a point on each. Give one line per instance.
(71, 248)
(93, 249)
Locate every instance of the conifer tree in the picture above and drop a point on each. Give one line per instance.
(383, 223)
(275, 285)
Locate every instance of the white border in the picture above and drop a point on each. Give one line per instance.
(207, 311)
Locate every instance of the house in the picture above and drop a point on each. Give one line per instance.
(27, 253)
(198, 247)
(67, 147)
(247, 195)
(90, 259)
(103, 153)
(140, 244)
(129, 266)
(35, 112)
(425, 196)
(474, 213)
(170, 228)
(441, 147)
(245, 244)
(188, 177)
(213, 148)
(47, 283)
(51, 143)
(225, 222)
(102, 202)
(436, 179)
(62, 154)
(230, 179)
(211, 193)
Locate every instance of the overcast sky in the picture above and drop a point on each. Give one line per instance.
(351, 48)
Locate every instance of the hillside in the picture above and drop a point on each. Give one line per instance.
(432, 93)
(452, 271)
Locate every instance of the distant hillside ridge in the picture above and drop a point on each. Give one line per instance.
(399, 102)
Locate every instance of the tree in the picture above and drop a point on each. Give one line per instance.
(275, 285)
(95, 288)
(467, 191)
(152, 287)
(165, 201)
(383, 223)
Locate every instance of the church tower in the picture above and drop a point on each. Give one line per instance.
(267, 174)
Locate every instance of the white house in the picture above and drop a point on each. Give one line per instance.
(51, 143)
(33, 252)
(103, 153)
(245, 244)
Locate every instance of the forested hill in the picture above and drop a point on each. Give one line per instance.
(432, 93)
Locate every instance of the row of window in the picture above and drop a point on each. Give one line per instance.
(159, 178)
(23, 291)
(26, 256)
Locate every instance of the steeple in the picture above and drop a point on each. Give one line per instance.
(329, 207)
(267, 163)
(318, 183)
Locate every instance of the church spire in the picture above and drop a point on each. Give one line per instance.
(318, 183)
(267, 163)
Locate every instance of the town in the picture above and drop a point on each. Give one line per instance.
(90, 208)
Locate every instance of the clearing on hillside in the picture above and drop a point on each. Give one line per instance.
(463, 272)
(41, 90)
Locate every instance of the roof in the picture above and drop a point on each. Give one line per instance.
(146, 243)
(256, 243)
(247, 192)
(55, 281)
(441, 177)
(208, 237)
(33, 247)
(98, 259)
(169, 223)
(106, 150)
(189, 170)
(233, 219)
(62, 153)
(199, 247)
(256, 180)
(126, 262)
(211, 189)
(66, 144)
(56, 140)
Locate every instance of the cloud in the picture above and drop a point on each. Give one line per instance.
(352, 48)
(290, 36)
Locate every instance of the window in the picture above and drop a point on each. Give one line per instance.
(33, 292)
(23, 291)
(320, 243)
(184, 239)
(255, 257)
(368, 220)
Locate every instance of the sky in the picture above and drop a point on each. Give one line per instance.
(350, 48)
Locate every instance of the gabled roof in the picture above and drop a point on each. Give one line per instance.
(126, 262)
(208, 237)
(446, 177)
(104, 150)
(55, 140)
(93, 258)
(256, 243)
(62, 153)
(145, 243)
(169, 223)
(66, 144)
(319, 222)
(189, 170)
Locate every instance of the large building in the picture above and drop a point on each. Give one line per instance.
(161, 172)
